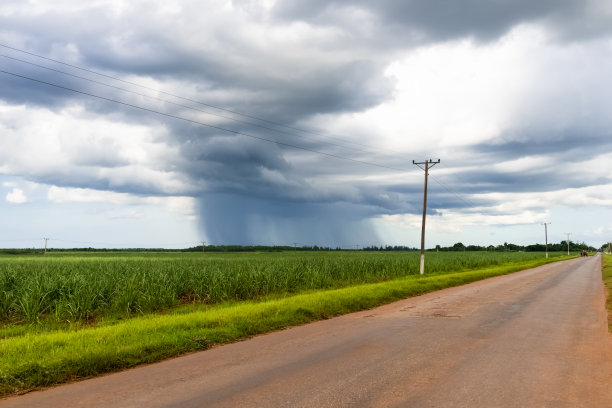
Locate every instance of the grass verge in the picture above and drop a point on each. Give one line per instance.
(35, 359)
(606, 274)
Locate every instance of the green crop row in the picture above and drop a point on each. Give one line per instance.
(73, 288)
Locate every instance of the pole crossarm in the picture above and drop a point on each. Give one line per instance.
(428, 164)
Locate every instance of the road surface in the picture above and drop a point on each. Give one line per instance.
(536, 338)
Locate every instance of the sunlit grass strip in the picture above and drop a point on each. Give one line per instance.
(37, 360)
(606, 273)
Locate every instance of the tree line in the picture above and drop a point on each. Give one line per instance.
(507, 247)
(459, 246)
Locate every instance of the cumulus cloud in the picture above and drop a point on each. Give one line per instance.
(16, 196)
(72, 148)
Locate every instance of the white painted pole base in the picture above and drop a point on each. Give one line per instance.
(422, 271)
(547, 255)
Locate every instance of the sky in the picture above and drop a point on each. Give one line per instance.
(168, 124)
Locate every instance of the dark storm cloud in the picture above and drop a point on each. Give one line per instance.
(571, 145)
(522, 182)
(245, 219)
(29, 81)
(19, 90)
(352, 87)
(419, 21)
(235, 163)
(92, 37)
(135, 46)
(244, 166)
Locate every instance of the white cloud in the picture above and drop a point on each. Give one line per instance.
(178, 204)
(524, 164)
(16, 196)
(79, 148)
(514, 203)
(450, 221)
(452, 94)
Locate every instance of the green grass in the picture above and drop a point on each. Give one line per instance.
(606, 273)
(31, 356)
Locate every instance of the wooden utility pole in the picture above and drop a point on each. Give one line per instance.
(428, 164)
(203, 245)
(546, 236)
(46, 239)
(568, 234)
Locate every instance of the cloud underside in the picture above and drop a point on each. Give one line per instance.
(499, 91)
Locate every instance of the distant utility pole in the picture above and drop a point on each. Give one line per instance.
(203, 245)
(428, 164)
(568, 234)
(46, 239)
(546, 236)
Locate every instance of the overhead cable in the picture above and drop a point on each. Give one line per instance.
(204, 124)
(172, 103)
(177, 96)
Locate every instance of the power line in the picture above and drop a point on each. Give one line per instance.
(172, 103)
(371, 150)
(176, 96)
(205, 124)
(453, 192)
(369, 163)
(203, 104)
(443, 185)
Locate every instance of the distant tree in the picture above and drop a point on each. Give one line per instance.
(459, 247)
(535, 248)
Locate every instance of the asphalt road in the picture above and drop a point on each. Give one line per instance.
(536, 338)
